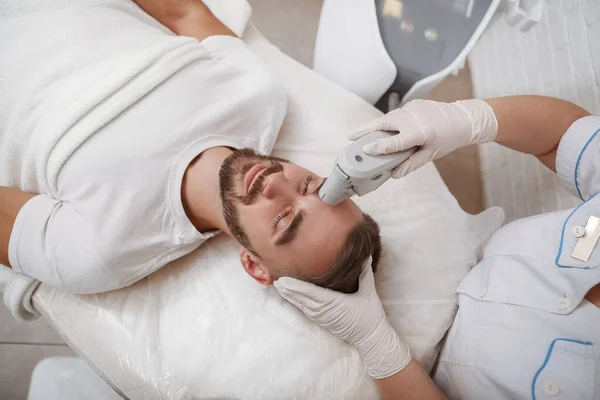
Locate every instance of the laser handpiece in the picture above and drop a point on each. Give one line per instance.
(355, 172)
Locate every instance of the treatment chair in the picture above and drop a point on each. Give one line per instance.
(202, 328)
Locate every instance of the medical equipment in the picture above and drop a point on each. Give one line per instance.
(392, 51)
(355, 172)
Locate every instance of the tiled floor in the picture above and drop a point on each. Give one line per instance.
(17, 363)
(22, 346)
(289, 24)
(15, 332)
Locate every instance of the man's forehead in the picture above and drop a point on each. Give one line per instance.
(320, 237)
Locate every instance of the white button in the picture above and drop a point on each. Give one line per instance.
(550, 388)
(482, 293)
(577, 231)
(563, 304)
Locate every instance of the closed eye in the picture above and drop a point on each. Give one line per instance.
(278, 218)
(307, 182)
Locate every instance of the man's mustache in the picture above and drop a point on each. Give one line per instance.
(258, 184)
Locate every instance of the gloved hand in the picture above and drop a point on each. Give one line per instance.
(358, 318)
(437, 128)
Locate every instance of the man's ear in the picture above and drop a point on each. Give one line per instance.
(255, 268)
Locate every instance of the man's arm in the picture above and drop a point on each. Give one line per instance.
(530, 124)
(359, 319)
(185, 17)
(11, 202)
(412, 383)
(534, 124)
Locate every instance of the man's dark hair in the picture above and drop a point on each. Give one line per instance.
(362, 242)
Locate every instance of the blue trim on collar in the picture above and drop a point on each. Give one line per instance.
(562, 237)
(579, 159)
(550, 349)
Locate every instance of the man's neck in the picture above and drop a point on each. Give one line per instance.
(200, 190)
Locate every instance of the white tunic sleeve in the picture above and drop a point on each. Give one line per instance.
(578, 158)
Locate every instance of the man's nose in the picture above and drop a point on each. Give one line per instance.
(275, 186)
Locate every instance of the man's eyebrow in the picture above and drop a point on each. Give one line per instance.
(290, 233)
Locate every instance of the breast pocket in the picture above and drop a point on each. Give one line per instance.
(578, 243)
(567, 372)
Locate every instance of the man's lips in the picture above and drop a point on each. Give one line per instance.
(252, 175)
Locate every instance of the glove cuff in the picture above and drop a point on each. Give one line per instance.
(484, 125)
(386, 355)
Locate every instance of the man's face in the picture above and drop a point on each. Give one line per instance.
(273, 209)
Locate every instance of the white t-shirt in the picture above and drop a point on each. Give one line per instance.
(118, 215)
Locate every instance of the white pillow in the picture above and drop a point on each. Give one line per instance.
(202, 328)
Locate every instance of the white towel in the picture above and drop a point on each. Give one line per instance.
(68, 68)
(18, 289)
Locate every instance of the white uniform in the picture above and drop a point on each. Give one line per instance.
(523, 329)
(116, 214)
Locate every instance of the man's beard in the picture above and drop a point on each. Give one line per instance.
(231, 175)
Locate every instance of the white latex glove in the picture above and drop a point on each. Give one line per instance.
(358, 318)
(437, 128)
